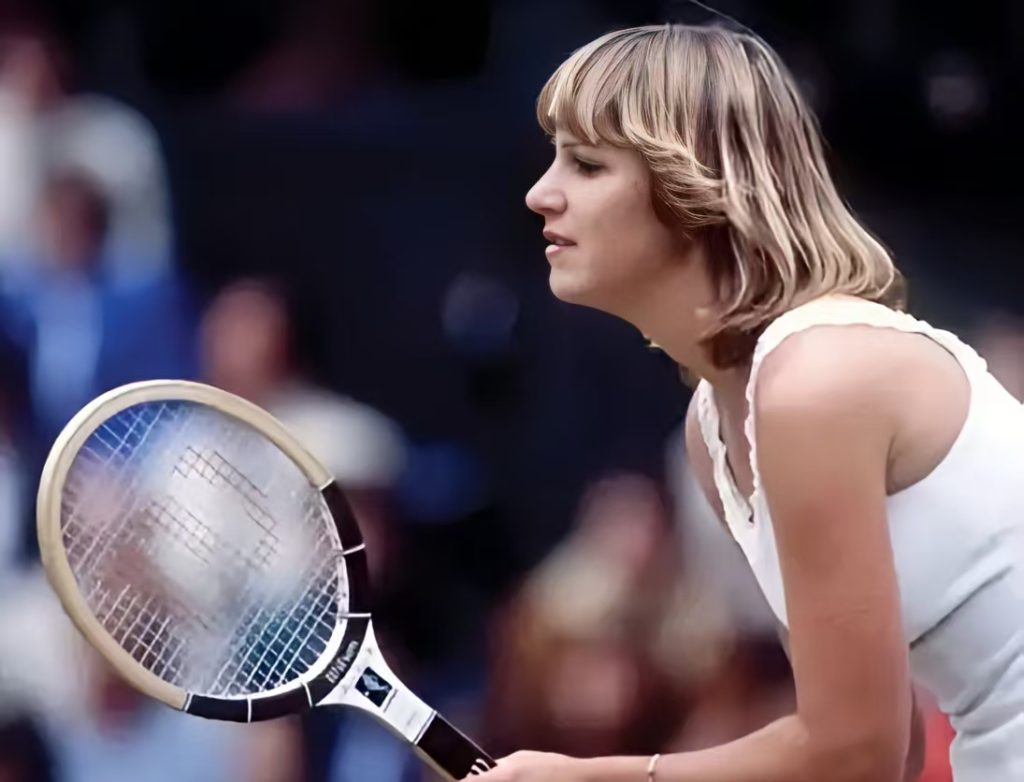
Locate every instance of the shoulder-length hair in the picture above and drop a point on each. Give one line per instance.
(737, 162)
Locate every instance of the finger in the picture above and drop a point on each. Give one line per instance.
(494, 775)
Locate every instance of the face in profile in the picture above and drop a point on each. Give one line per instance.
(607, 247)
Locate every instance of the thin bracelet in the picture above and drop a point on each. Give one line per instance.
(652, 766)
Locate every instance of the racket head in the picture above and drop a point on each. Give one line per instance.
(300, 683)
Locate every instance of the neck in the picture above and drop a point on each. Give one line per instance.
(675, 314)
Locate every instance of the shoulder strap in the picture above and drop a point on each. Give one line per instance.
(737, 511)
(844, 311)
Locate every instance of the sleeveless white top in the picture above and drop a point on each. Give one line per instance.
(958, 540)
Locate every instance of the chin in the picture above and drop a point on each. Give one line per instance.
(580, 295)
(567, 290)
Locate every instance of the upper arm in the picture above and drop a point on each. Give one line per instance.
(823, 435)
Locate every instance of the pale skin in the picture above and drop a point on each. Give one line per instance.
(844, 417)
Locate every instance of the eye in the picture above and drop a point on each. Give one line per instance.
(586, 167)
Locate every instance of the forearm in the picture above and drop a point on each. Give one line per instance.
(779, 752)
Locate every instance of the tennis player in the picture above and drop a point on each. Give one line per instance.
(869, 466)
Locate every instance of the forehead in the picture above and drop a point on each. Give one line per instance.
(564, 136)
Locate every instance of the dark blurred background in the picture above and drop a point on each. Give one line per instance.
(318, 204)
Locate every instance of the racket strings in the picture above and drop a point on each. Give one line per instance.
(84, 543)
(303, 624)
(213, 467)
(260, 662)
(171, 524)
(302, 618)
(147, 642)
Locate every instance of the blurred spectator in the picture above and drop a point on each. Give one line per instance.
(30, 87)
(118, 149)
(82, 329)
(126, 736)
(45, 128)
(751, 687)
(98, 728)
(247, 347)
(604, 647)
(711, 554)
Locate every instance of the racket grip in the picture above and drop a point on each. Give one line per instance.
(454, 754)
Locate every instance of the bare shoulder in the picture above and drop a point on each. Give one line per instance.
(823, 406)
(888, 369)
(831, 367)
(902, 390)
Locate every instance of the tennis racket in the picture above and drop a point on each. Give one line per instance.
(218, 567)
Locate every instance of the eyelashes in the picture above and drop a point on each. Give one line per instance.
(581, 165)
(586, 167)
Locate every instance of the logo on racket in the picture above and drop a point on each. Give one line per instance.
(341, 665)
(372, 687)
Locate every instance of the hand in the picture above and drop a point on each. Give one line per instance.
(534, 767)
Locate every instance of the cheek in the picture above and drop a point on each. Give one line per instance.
(629, 228)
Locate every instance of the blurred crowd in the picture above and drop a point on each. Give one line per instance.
(640, 630)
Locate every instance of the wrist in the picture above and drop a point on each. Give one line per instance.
(652, 766)
(615, 769)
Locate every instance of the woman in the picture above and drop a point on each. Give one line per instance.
(868, 465)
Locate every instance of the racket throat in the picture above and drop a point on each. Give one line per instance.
(371, 685)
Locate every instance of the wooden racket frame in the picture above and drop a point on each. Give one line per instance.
(51, 488)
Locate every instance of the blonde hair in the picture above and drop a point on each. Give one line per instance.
(737, 161)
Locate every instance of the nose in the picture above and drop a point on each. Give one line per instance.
(545, 197)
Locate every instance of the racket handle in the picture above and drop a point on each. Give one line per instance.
(454, 754)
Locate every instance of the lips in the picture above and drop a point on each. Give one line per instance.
(557, 239)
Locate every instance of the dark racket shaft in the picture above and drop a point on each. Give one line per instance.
(218, 567)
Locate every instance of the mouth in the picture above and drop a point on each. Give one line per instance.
(558, 244)
(557, 240)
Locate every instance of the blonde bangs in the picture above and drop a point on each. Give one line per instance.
(588, 92)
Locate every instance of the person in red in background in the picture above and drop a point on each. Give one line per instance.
(939, 734)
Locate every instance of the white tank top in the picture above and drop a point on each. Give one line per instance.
(958, 541)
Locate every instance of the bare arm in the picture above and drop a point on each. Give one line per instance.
(916, 750)
(700, 463)
(823, 446)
